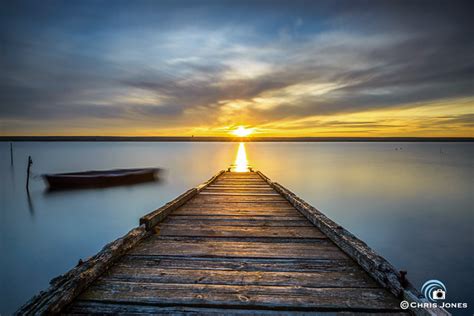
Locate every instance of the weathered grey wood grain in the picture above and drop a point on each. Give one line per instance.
(324, 279)
(241, 264)
(235, 180)
(199, 239)
(155, 245)
(237, 199)
(238, 221)
(237, 190)
(244, 194)
(237, 217)
(238, 231)
(237, 212)
(241, 187)
(250, 296)
(106, 308)
(239, 182)
(263, 205)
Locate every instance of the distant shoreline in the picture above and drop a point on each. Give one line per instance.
(226, 139)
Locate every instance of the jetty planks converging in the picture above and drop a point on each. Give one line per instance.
(238, 244)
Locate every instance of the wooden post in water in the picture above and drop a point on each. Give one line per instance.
(30, 162)
(11, 154)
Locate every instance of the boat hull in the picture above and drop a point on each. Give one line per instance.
(91, 179)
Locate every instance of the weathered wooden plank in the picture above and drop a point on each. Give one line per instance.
(200, 198)
(238, 231)
(254, 220)
(267, 206)
(239, 192)
(250, 186)
(244, 278)
(244, 194)
(242, 239)
(241, 264)
(65, 288)
(237, 217)
(237, 212)
(240, 181)
(237, 204)
(240, 186)
(200, 247)
(257, 178)
(237, 189)
(244, 221)
(240, 174)
(227, 178)
(107, 308)
(237, 179)
(277, 297)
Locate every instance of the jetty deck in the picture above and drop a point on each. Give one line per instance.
(237, 244)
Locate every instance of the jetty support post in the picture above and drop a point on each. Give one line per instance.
(11, 154)
(30, 162)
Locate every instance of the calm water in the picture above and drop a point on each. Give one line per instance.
(414, 205)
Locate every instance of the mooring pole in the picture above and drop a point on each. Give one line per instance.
(11, 154)
(30, 162)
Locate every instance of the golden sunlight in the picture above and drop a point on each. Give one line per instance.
(242, 131)
(241, 163)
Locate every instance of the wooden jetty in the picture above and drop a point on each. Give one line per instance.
(238, 244)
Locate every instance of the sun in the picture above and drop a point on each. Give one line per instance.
(242, 131)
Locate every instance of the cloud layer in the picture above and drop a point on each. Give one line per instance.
(298, 68)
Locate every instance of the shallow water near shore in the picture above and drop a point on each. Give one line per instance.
(411, 202)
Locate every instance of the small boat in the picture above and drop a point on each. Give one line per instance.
(100, 178)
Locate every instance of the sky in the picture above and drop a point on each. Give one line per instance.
(204, 68)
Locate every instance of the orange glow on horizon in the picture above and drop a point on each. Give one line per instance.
(441, 118)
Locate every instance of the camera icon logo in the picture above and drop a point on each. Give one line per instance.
(434, 290)
(438, 294)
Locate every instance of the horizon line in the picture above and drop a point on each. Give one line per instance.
(234, 139)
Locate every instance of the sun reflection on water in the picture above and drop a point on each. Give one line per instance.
(241, 163)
